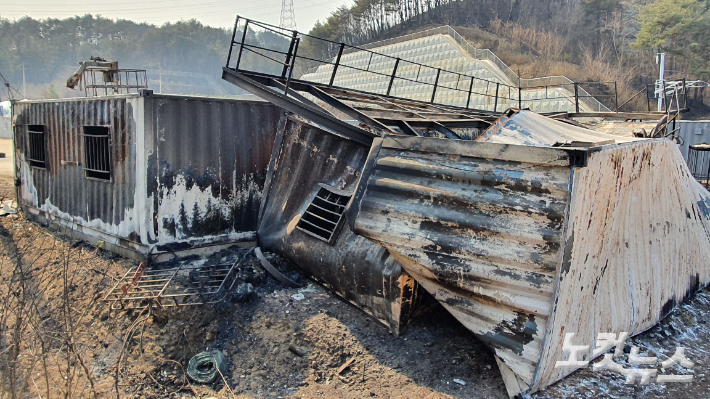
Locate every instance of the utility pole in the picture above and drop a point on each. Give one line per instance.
(288, 16)
(660, 86)
(24, 87)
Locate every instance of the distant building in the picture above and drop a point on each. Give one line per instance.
(5, 120)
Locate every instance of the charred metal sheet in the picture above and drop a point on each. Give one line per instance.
(364, 273)
(206, 166)
(532, 129)
(524, 246)
(479, 226)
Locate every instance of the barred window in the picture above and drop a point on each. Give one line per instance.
(324, 214)
(36, 151)
(97, 160)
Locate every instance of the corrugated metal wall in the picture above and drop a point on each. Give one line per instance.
(354, 267)
(207, 161)
(62, 189)
(479, 226)
(693, 132)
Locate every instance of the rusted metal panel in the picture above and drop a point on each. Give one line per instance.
(532, 129)
(479, 226)
(206, 166)
(62, 190)
(638, 242)
(354, 267)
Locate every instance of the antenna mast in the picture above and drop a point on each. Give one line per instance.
(288, 16)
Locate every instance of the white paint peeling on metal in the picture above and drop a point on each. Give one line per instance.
(639, 239)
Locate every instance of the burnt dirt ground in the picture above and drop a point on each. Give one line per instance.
(59, 339)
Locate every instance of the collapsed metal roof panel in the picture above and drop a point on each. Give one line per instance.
(482, 226)
(529, 128)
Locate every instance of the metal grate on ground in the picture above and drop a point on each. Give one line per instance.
(190, 282)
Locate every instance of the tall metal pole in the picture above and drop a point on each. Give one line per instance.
(661, 60)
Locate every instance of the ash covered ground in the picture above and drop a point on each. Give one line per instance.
(71, 344)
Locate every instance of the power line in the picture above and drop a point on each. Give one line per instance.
(9, 88)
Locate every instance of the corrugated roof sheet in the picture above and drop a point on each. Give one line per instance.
(530, 128)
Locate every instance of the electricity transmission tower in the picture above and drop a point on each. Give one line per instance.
(288, 17)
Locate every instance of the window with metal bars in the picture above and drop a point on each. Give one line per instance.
(324, 215)
(97, 159)
(36, 150)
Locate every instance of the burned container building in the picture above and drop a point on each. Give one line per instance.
(145, 174)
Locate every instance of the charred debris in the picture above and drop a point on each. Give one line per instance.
(523, 225)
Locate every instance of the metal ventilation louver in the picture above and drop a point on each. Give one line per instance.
(323, 217)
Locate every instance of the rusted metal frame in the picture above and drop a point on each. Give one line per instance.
(470, 89)
(439, 127)
(348, 110)
(290, 71)
(393, 101)
(394, 73)
(630, 99)
(295, 94)
(337, 63)
(407, 128)
(422, 122)
(436, 82)
(353, 207)
(231, 46)
(289, 55)
(275, 151)
(576, 97)
(620, 115)
(430, 114)
(319, 116)
(241, 45)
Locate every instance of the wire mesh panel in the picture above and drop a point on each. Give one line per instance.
(699, 163)
(97, 159)
(36, 151)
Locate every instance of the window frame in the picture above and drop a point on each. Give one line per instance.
(31, 130)
(91, 173)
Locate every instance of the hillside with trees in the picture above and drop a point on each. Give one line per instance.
(586, 40)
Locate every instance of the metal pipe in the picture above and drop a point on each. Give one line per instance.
(576, 97)
(337, 63)
(289, 55)
(394, 71)
(241, 46)
(436, 81)
(495, 104)
(293, 62)
(231, 45)
(470, 88)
